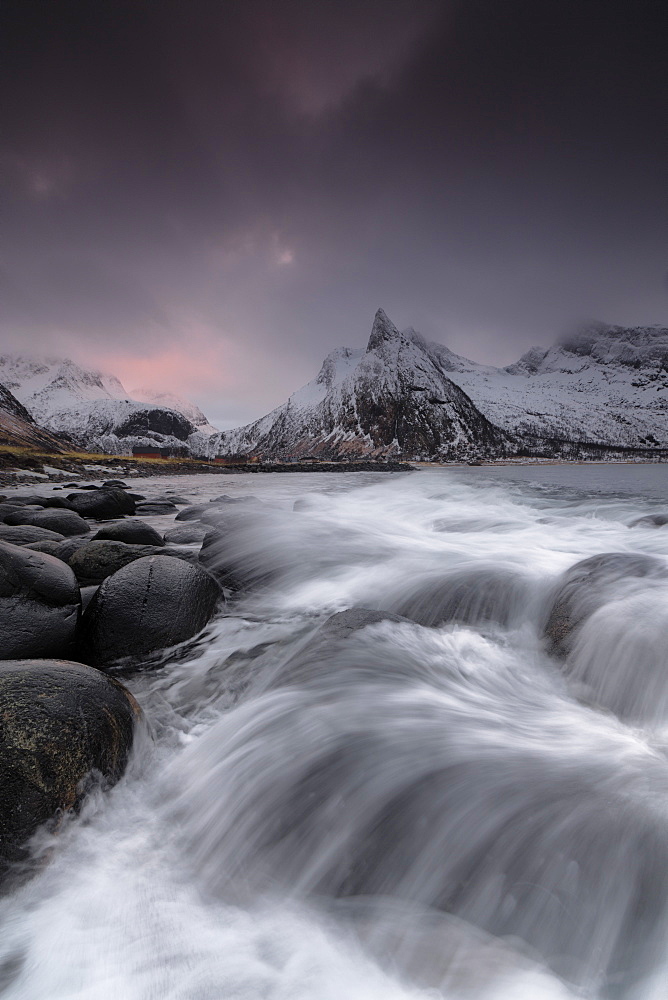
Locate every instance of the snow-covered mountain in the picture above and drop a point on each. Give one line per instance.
(93, 408)
(392, 399)
(605, 387)
(173, 402)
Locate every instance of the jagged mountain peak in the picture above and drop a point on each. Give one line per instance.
(392, 399)
(383, 329)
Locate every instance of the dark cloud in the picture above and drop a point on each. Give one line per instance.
(255, 178)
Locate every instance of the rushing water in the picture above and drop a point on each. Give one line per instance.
(412, 809)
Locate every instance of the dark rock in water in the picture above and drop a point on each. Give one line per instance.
(106, 503)
(137, 496)
(133, 532)
(59, 503)
(24, 534)
(155, 509)
(164, 498)
(39, 603)
(87, 595)
(51, 548)
(115, 482)
(590, 584)
(192, 513)
(69, 546)
(151, 604)
(89, 486)
(187, 534)
(176, 499)
(11, 508)
(327, 643)
(27, 501)
(61, 722)
(650, 521)
(468, 596)
(98, 559)
(65, 522)
(247, 499)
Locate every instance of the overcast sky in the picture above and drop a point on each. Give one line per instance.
(209, 196)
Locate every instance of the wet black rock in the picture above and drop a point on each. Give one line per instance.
(151, 604)
(102, 504)
(69, 546)
(166, 498)
(98, 559)
(39, 603)
(187, 534)
(155, 509)
(65, 522)
(51, 548)
(650, 521)
(192, 513)
(115, 482)
(132, 532)
(62, 723)
(27, 501)
(469, 596)
(327, 642)
(590, 584)
(7, 509)
(24, 534)
(60, 503)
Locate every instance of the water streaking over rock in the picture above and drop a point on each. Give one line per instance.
(412, 756)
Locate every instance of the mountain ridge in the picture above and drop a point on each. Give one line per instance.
(596, 388)
(94, 409)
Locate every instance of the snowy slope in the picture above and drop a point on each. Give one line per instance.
(605, 386)
(93, 408)
(173, 402)
(392, 399)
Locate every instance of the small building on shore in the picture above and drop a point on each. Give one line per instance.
(237, 459)
(147, 451)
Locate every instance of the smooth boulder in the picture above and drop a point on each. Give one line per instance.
(39, 604)
(591, 583)
(98, 559)
(187, 534)
(650, 521)
(65, 522)
(62, 723)
(155, 509)
(101, 504)
(24, 534)
(151, 604)
(132, 532)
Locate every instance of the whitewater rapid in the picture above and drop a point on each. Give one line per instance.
(408, 809)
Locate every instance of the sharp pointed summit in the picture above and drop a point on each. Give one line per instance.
(383, 329)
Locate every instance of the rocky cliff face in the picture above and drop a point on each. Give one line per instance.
(393, 399)
(18, 429)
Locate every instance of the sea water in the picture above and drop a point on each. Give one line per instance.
(429, 806)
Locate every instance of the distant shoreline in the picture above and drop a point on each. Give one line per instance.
(20, 467)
